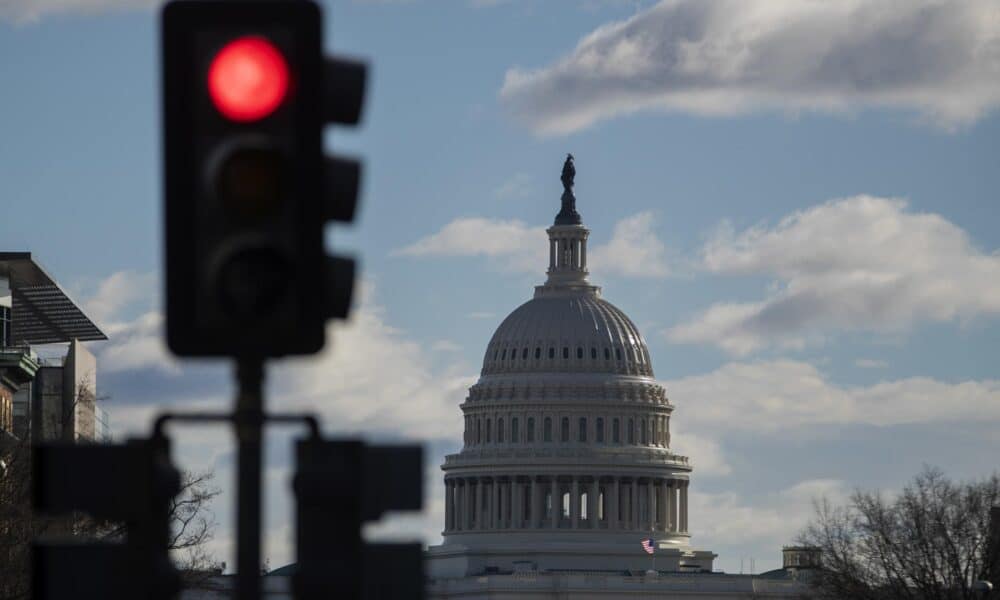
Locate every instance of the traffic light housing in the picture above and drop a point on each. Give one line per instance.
(340, 485)
(131, 483)
(248, 191)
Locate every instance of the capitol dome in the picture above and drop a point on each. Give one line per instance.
(566, 461)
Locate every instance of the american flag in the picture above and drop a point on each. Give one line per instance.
(648, 546)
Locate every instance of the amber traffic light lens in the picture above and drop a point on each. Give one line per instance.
(249, 184)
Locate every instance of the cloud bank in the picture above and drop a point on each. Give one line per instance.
(860, 263)
(634, 249)
(28, 11)
(937, 58)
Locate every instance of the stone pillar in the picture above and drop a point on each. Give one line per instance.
(467, 504)
(665, 506)
(480, 520)
(614, 521)
(583, 253)
(449, 505)
(574, 503)
(516, 503)
(495, 504)
(556, 503)
(594, 504)
(536, 505)
(684, 506)
(650, 505)
(633, 517)
(504, 503)
(552, 254)
(671, 505)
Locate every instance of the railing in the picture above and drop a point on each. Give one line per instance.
(615, 456)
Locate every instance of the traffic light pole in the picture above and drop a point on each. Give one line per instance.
(248, 420)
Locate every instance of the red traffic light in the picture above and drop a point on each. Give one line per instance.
(248, 79)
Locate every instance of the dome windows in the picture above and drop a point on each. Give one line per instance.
(552, 352)
(564, 430)
(531, 429)
(514, 432)
(579, 352)
(488, 436)
(593, 353)
(618, 354)
(565, 352)
(547, 434)
(538, 352)
(500, 432)
(616, 437)
(599, 431)
(607, 353)
(582, 430)
(524, 353)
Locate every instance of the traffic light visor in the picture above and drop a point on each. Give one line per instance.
(248, 79)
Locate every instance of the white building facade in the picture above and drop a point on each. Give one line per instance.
(566, 464)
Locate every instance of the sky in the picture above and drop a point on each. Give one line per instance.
(793, 200)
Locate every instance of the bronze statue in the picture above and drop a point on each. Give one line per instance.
(567, 214)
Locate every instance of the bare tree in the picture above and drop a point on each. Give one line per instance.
(929, 542)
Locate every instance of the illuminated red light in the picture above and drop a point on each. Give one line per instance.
(248, 79)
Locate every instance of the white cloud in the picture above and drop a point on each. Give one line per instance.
(705, 453)
(634, 249)
(517, 246)
(727, 519)
(767, 396)
(727, 57)
(520, 185)
(371, 376)
(117, 292)
(860, 263)
(26, 11)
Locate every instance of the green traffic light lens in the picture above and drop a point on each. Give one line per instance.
(249, 184)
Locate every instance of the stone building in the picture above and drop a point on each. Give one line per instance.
(567, 465)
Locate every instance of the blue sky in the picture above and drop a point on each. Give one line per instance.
(795, 202)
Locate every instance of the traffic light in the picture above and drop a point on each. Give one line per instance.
(339, 485)
(131, 483)
(248, 191)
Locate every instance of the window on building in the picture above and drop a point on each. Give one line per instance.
(552, 352)
(607, 354)
(618, 353)
(599, 431)
(582, 432)
(565, 351)
(547, 429)
(5, 333)
(514, 433)
(615, 433)
(524, 354)
(500, 431)
(593, 353)
(564, 436)
(479, 432)
(503, 355)
(531, 429)
(538, 353)
(642, 431)
(579, 352)
(631, 431)
(488, 432)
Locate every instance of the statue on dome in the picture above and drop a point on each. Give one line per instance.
(567, 214)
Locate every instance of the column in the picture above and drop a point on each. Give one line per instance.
(449, 505)
(556, 503)
(504, 501)
(633, 517)
(594, 503)
(467, 504)
(613, 519)
(671, 505)
(574, 503)
(664, 500)
(516, 503)
(495, 504)
(552, 254)
(536, 504)
(684, 506)
(650, 505)
(480, 513)
(583, 253)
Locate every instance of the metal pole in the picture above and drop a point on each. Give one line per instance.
(248, 420)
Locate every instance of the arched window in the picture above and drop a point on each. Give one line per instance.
(524, 354)
(593, 353)
(631, 431)
(579, 352)
(500, 431)
(599, 431)
(564, 434)
(565, 351)
(582, 432)
(642, 432)
(504, 355)
(547, 429)
(514, 433)
(607, 353)
(538, 353)
(531, 429)
(615, 431)
(552, 352)
(488, 432)
(618, 353)
(479, 431)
